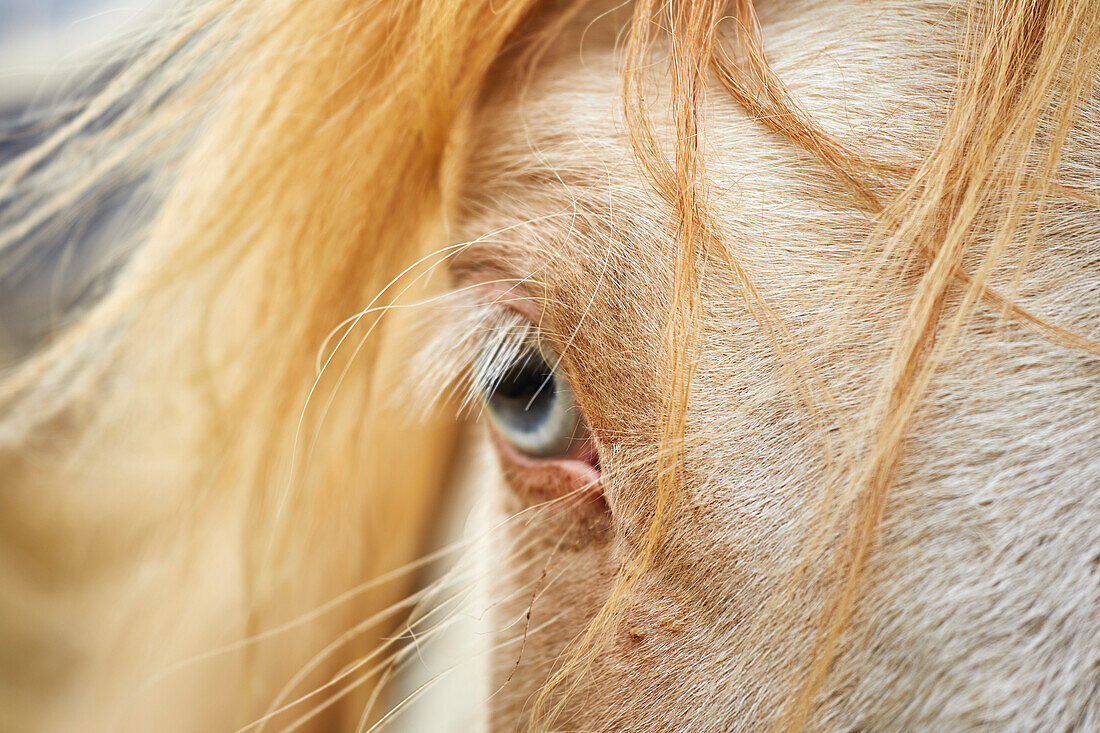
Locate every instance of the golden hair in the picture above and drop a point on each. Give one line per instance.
(321, 145)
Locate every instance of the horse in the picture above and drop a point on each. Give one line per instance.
(764, 336)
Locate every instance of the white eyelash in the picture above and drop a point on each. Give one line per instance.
(498, 348)
(466, 343)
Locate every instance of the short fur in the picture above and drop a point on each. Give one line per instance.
(822, 275)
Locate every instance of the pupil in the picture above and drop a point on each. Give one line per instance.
(525, 379)
(523, 397)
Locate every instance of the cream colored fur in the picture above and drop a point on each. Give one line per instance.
(981, 609)
(983, 598)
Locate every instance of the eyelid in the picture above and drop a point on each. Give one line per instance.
(515, 297)
(497, 288)
(509, 293)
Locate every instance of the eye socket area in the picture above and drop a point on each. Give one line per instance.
(546, 448)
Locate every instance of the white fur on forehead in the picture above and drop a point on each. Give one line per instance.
(560, 144)
(983, 597)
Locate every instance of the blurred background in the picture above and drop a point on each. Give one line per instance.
(52, 53)
(43, 41)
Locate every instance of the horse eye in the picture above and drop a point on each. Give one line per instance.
(532, 406)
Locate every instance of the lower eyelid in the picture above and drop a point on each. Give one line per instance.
(575, 481)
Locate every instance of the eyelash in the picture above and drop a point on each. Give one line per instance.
(498, 366)
(500, 340)
(465, 342)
